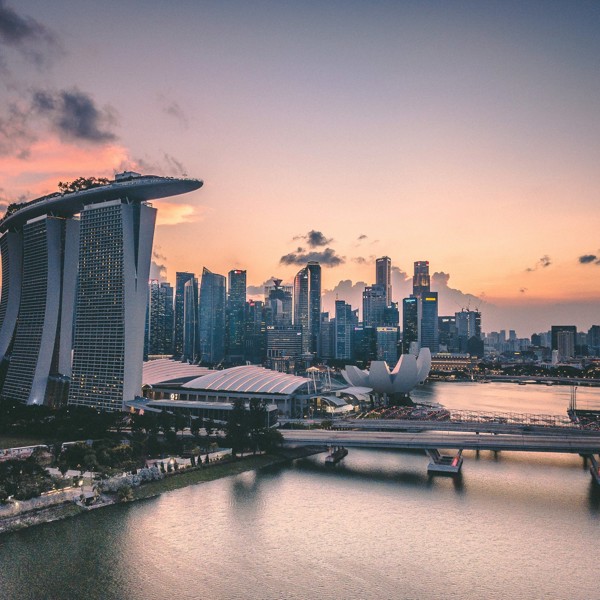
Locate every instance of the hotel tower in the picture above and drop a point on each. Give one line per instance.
(75, 269)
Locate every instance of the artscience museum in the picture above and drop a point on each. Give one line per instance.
(396, 384)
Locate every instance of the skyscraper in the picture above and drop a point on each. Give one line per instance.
(383, 277)
(563, 340)
(115, 248)
(191, 335)
(159, 319)
(410, 322)
(428, 322)
(387, 345)
(421, 279)
(74, 292)
(374, 305)
(255, 332)
(181, 279)
(212, 317)
(468, 325)
(279, 304)
(236, 307)
(345, 321)
(307, 306)
(41, 344)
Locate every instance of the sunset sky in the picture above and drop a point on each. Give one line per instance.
(463, 133)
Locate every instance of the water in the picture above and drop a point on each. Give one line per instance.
(375, 526)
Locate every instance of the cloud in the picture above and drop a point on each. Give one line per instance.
(451, 299)
(158, 270)
(543, 262)
(35, 42)
(344, 290)
(52, 160)
(259, 290)
(74, 116)
(360, 260)
(166, 165)
(361, 237)
(587, 259)
(327, 258)
(440, 278)
(171, 213)
(314, 239)
(173, 109)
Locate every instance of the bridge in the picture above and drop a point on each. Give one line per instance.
(433, 436)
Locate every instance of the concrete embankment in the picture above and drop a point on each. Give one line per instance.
(64, 504)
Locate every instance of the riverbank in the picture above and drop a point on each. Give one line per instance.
(174, 481)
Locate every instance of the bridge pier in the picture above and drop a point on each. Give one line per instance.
(594, 468)
(444, 464)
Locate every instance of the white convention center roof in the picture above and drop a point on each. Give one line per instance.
(248, 379)
(165, 369)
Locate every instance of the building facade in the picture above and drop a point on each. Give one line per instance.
(181, 278)
(212, 317)
(74, 291)
(383, 277)
(307, 306)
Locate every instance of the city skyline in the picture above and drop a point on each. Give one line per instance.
(462, 134)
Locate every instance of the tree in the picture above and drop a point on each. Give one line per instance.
(237, 429)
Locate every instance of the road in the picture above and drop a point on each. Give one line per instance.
(534, 442)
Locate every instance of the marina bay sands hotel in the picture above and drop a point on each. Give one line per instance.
(75, 269)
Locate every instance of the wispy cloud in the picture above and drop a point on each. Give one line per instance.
(32, 40)
(173, 109)
(542, 263)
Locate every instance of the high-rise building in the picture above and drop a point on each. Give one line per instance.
(159, 319)
(255, 332)
(428, 322)
(307, 306)
(410, 322)
(364, 344)
(191, 330)
(327, 336)
(468, 326)
(421, 279)
(181, 279)
(448, 338)
(114, 265)
(593, 340)
(279, 304)
(345, 321)
(236, 309)
(374, 305)
(212, 317)
(42, 339)
(391, 315)
(563, 340)
(387, 345)
(383, 277)
(79, 305)
(284, 347)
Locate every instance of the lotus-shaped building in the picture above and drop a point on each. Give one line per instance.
(409, 371)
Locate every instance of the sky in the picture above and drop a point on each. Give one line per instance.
(462, 133)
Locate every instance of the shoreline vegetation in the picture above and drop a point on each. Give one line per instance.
(173, 481)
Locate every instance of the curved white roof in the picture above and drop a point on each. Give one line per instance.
(250, 379)
(165, 369)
